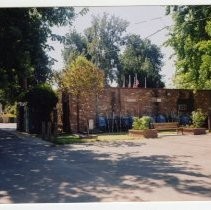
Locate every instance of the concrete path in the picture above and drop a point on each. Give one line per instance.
(170, 168)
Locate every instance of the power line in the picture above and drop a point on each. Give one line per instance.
(145, 21)
(161, 17)
(157, 32)
(163, 28)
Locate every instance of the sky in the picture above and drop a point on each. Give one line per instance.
(144, 21)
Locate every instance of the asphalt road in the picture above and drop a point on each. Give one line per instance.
(170, 168)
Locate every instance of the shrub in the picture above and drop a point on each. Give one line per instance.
(41, 101)
(42, 96)
(198, 118)
(142, 123)
(10, 109)
(9, 115)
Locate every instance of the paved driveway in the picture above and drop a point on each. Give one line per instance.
(174, 168)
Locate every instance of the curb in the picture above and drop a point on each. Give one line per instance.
(27, 136)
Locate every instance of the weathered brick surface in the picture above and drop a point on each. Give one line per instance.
(137, 102)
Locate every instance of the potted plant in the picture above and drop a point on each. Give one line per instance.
(198, 120)
(141, 128)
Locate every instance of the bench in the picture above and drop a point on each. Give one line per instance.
(167, 126)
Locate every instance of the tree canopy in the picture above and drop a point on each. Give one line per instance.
(75, 45)
(104, 39)
(107, 45)
(84, 81)
(23, 35)
(82, 78)
(190, 39)
(100, 43)
(144, 59)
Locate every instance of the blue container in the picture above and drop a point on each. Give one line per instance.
(185, 119)
(160, 119)
(101, 121)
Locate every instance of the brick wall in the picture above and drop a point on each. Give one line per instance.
(137, 102)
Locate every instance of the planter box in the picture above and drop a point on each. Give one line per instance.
(194, 131)
(150, 133)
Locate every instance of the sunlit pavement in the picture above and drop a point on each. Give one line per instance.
(170, 168)
(11, 126)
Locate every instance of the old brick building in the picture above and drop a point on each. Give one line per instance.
(123, 102)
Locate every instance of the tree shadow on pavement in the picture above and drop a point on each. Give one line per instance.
(32, 172)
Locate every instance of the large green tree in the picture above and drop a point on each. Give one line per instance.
(100, 43)
(23, 46)
(143, 59)
(190, 38)
(75, 45)
(104, 41)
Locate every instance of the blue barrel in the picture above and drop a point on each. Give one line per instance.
(185, 119)
(160, 119)
(101, 121)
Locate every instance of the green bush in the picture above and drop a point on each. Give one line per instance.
(198, 118)
(10, 109)
(42, 96)
(142, 123)
(41, 101)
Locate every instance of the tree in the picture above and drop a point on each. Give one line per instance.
(190, 39)
(144, 59)
(84, 81)
(75, 45)
(100, 44)
(23, 36)
(104, 41)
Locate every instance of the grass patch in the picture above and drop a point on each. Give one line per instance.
(71, 139)
(68, 139)
(114, 137)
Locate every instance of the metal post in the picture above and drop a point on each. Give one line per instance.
(123, 82)
(49, 130)
(145, 82)
(129, 83)
(43, 130)
(55, 123)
